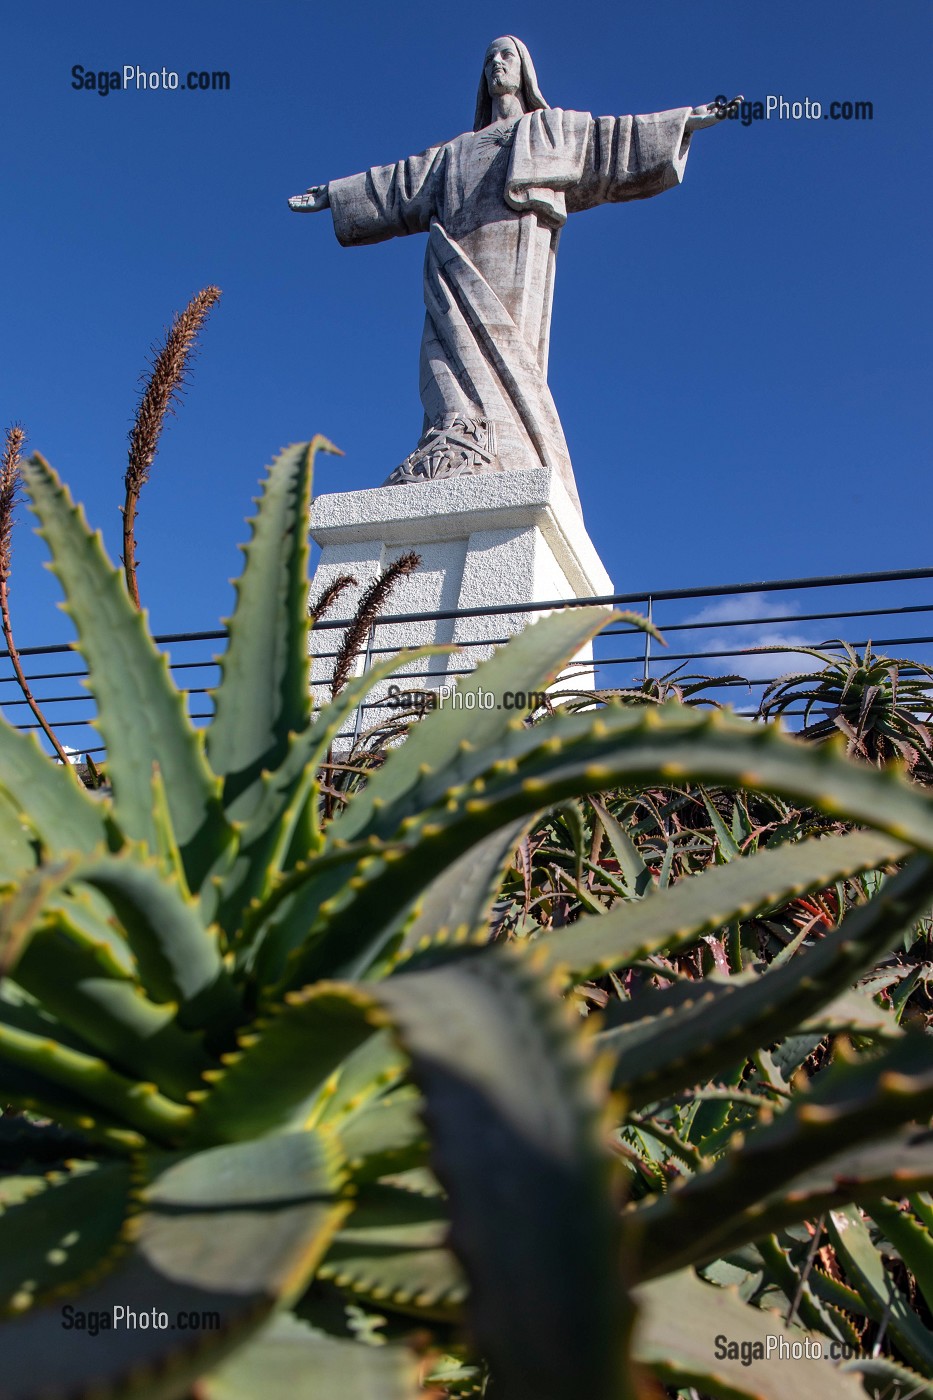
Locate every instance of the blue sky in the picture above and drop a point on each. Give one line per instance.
(742, 365)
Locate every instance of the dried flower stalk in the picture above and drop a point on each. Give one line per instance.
(329, 595)
(161, 393)
(9, 493)
(370, 605)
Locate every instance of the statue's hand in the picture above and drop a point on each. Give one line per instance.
(311, 201)
(711, 112)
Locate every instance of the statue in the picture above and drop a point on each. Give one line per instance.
(493, 202)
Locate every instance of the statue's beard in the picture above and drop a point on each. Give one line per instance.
(501, 86)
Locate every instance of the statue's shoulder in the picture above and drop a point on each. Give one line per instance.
(430, 152)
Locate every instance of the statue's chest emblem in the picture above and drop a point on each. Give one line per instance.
(491, 142)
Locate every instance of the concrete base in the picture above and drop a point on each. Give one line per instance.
(484, 540)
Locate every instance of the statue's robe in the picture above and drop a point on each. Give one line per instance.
(493, 203)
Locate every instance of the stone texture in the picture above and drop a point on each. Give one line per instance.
(484, 540)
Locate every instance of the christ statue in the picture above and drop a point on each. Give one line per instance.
(493, 202)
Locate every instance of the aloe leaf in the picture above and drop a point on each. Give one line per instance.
(838, 1294)
(865, 1268)
(91, 916)
(860, 1176)
(854, 1012)
(225, 1235)
(61, 1236)
(19, 1009)
(291, 1361)
(18, 849)
(425, 1282)
(177, 958)
(703, 903)
(537, 767)
(712, 1119)
(548, 1312)
(386, 1136)
(810, 1311)
(569, 816)
(727, 846)
(365, 1074)
(166, 847)
(889, 1379)
(264, 691)
(909, 1237)
(14, 1190)
(110, 1012)
(31, 1091)
(452, 744)
(24, 906)
(635, 874)
(747, 1193)
(727, 1019)
(140, 714)
(568, 755)
(392, 1252)
(921, 1204)
(285, 1056)
(684, 1330)
(460, 899)
(59, 810)
(286, 796)
(93, 1084)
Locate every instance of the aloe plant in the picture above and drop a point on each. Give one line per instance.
(880, 704)
(262, 1061)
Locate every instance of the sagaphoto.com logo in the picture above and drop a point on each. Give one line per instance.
(777, 107)
(132, 77)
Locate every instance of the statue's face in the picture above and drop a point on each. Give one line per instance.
(503, 68)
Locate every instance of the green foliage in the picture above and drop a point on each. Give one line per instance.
(881, 705)
(264, 1060)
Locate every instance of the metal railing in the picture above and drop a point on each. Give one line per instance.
(741, 636)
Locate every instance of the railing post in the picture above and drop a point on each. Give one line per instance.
(647, 669)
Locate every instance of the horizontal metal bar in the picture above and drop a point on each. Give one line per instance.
(51, 700)
(781, 617)
(658, 595)
(614, 599)
(60, 724)
(163, 639)
(778, 648)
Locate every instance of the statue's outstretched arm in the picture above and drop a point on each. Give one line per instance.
(315, 198)
(710, 113)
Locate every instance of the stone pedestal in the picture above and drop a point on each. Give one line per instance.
(484, 540)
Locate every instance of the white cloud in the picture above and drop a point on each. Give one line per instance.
(756, 631)
(751, 606)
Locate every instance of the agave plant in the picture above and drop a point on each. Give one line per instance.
(259, 1062)
(881, 704)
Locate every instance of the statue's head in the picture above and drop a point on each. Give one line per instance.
(507, 68)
